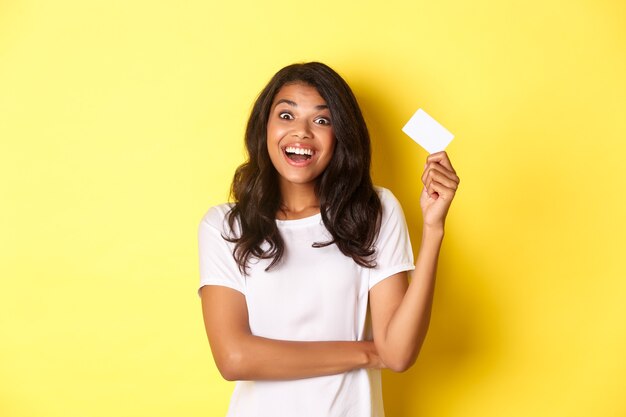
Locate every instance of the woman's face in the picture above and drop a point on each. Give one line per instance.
(300, 137)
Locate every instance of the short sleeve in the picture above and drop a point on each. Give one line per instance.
(217, 265)
(393, 246)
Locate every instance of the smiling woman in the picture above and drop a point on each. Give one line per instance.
(343, 188)
(290, 271)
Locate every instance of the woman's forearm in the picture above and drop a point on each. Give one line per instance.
(258, 358)
(400, 328)
(407, 327)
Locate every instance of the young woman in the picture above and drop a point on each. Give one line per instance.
(304, 278)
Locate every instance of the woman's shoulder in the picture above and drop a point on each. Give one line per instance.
(390, 205)
(216, 215)
(386, 196)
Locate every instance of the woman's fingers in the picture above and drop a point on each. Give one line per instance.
(442, 158)
(440, 185)
(436, 170)
(437, 190)
(438, 177)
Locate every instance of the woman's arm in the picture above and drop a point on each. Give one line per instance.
(239, 355)
(401, 311)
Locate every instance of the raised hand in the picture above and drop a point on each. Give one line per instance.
(440, 185)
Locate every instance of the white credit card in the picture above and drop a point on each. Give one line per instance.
(427, 132)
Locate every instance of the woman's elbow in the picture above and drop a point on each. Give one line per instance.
(398, 359)
(400, 364)
(231, 366)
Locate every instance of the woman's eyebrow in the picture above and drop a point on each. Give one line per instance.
(284, 100)
(294, 104)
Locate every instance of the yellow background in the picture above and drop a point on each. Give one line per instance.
(121, 122)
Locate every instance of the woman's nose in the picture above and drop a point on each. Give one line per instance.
(302, 129)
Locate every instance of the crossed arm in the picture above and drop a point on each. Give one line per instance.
(400, 312)
(240, 355)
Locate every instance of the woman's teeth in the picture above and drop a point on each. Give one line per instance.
(299, 151)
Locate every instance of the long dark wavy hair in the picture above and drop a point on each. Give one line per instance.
(349, 205)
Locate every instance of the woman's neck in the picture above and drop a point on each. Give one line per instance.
(297, 202)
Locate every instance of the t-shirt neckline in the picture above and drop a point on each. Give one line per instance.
(314, 219)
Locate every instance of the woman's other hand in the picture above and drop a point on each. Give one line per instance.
(440, 185)
(374, 360)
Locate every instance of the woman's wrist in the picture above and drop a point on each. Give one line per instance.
(433, 232)
(371, 357)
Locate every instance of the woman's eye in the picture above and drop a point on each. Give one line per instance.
(322, 121)
(285, 116)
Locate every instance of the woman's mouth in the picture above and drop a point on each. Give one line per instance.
(298, 154)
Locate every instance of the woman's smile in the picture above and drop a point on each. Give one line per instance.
(299, 155)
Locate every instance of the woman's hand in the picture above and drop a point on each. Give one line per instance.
(440, 185)
(374, 361)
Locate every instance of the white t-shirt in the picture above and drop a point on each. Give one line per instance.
(314, 294)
